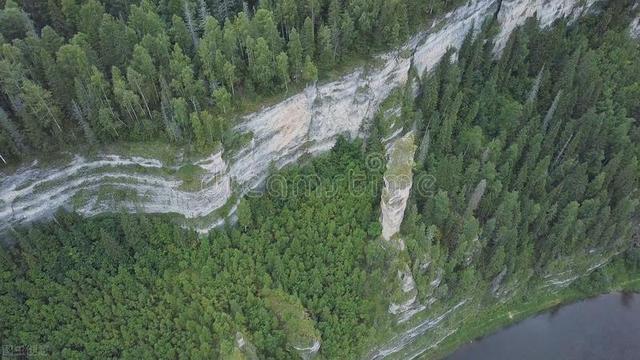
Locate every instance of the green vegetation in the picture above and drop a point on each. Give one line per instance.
(163, 151)
(191, 176)
(95, 72)
(299, 265)
(534, 156)
(624, 277)
(300, 329)
(535, 160)
(401, 159)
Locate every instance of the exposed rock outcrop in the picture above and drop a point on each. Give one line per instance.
(243, 350)
(476, 196)
(580, 265)
(302, 336)
(634, 29)
(514, 13)
(496, 283)
(510, 15)
(406, 338)
(308, 352)
(408, 292)
(306, 123)
(398, 179)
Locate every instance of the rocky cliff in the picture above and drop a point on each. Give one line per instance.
(398, 179)
(634, 29)
(306, 123)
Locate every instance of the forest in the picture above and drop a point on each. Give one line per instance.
(534, 155)
(76, 72)
(138, 287)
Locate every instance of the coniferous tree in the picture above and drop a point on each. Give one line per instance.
(309, 71)
(282, 69)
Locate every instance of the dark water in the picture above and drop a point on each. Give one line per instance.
(606, 327)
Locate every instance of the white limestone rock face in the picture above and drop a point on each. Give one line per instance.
(398, 179)
(308, 352)
(306, 123)
(34, 192)
(634, 28)
(408, 291)
(514, 13)
(406, 338)
(455, 27)
(279, 133)
(563, 273)
(246, 349)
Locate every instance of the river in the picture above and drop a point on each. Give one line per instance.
(605, 327)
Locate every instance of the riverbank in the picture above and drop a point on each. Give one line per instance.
(499, 316)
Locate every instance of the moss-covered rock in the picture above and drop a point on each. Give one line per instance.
(302, 335)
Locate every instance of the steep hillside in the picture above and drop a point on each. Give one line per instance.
(485, 170)
(306, 123)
